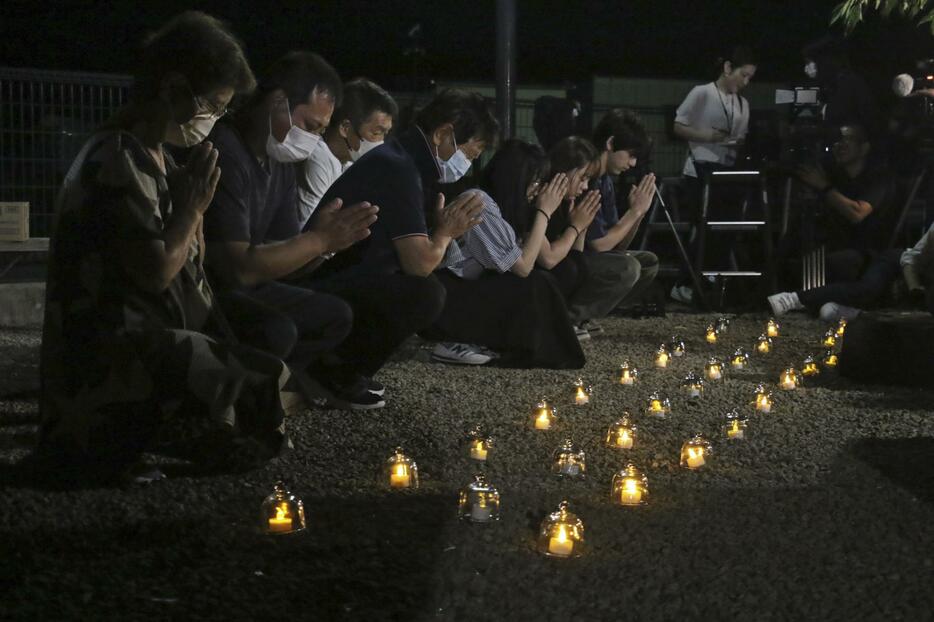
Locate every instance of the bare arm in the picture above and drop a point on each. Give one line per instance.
(420, 255)
(546, 204)
(580, 216)
(853, 211)
(621, 234)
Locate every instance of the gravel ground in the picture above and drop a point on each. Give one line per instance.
(825, 512)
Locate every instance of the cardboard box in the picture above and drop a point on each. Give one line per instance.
(14, 222)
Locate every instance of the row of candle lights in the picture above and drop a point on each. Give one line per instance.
(561, 532)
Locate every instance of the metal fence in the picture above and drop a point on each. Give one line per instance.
(45, 117)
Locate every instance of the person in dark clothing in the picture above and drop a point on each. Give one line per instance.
(387, 278)
(254, 234)
(853, 228)
(496, 299)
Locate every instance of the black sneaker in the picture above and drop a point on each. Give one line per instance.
(375, 387)
(356, 399)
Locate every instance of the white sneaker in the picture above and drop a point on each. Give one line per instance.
(783, 302)
(682, 293)
(459, 354)
(582, 333)
(591, 327)
(833, 312)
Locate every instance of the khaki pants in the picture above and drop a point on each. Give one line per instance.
(616, 278)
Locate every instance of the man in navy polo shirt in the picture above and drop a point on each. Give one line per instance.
(254, 236)
(387, 278)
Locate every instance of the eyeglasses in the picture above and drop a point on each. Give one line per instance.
(205, 106)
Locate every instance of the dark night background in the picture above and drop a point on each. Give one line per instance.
(557, 42)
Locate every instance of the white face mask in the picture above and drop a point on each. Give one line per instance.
(297, 146)
(810, 70)
(454, 167)
(365, 145)
(190, 133)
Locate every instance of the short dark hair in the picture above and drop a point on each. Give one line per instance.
(571, 153)
(627, 131)
(467, 112)
(201, 48)
(299, 73)
(507, 176)
(738, 56)
(362, 98)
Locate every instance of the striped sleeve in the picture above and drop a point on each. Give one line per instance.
(492, 242)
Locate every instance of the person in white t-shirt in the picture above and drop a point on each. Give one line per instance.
(361, 124)
(714, 117)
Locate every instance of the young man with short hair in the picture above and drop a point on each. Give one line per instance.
(387, 278)
(616, 274)
(362, 123)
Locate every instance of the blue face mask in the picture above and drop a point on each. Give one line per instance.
(454, 167)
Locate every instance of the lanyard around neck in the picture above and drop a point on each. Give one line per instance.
(728, 115)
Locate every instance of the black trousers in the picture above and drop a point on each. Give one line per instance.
(291, 322)
(853, 282)
(387, 310)
(570, 273)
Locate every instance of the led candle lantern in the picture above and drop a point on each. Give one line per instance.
(400, 471)
(569, 461)
(809, 367)
(544, 416)
(789, 379)
(692, 385)
(841, 328)
(764, 344)
(695, 452)
(722, 324)
(621, 434)
(740, 359)
(628, 374)
(676, 347)
(763, 399)
(479, 501)
(713, 370)
(662, 357)
(711, 334)
(772, 328)
(735, 426)
(829, 359)
(657, 405)
(479, 445)
(582, 394)
(561, 533)
(630, 487)
(281, 512)
(830, 338)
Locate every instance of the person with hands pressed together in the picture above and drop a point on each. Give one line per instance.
(853, 226)
(616, 275)
(135, 356)
(255, 238)
(388, 277)
(498, 304)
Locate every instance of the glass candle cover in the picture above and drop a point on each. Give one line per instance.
(479, 501)
(841, 328)
(763, 401)
(764, 344)
(740, 359)
(711, 334)
(734, 426)
(695, 452)
(809, 367)
(713, 370)
(621, 434)
(662, 357)
(630, 487)
(677, 347)
(789, 379)
(692, 385)
(628, 374)
(582, 394)
(569, 461)
(281, 512)
(772, 328)
(657, 405)
(400, 471)
(829, 359)
(561, 533)
(723, 323)
(479, 445)
(829, 339)
(545, 416)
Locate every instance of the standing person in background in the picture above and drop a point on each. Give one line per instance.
(496, 299)
(616, 274)
(362, 123)
(714, 119)
(134, 355)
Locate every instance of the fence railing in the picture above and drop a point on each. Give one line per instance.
(45, 117)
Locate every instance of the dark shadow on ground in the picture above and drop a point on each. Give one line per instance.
(909, 462)
(895, 398)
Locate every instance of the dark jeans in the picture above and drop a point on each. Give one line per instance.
(852, 285)
(615, 278)
(293, 323)
(387, 310)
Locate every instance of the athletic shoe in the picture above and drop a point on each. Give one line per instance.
(682, 293)
(356, 396)
(582, 333)
(375, 387)
(783, 302)
(833, 312)
(459, 354)
(591, 327)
